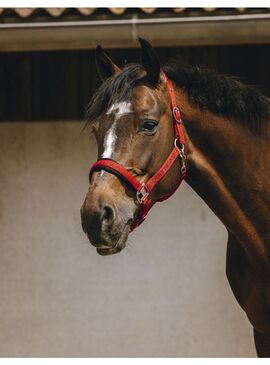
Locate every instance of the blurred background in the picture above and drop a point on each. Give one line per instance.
(166, 294)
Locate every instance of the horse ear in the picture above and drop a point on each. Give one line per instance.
(150, 61)
(104, 64)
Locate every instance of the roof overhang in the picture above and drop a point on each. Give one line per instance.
(123, 33)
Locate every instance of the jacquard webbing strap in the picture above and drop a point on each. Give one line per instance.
(114, 167)
(163, 170)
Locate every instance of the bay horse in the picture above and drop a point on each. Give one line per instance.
(156, 126)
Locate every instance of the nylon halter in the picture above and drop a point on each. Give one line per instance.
(143, 190)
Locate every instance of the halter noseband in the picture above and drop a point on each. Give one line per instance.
(143, 190)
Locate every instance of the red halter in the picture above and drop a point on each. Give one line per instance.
(143, 189)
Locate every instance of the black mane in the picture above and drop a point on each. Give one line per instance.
(222, 95)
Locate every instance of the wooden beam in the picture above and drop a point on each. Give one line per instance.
(175, 31)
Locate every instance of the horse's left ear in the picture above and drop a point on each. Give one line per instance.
(104, 64)
(150, 61)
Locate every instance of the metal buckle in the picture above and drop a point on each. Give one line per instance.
(142, 194)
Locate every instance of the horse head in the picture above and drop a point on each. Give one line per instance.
(131, 118)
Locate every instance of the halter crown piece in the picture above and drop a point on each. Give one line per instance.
(142, 190)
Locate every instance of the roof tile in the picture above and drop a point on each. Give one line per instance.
(58, 12)
(148, 10)
(118, 11)
(55, 11)
(179, 10)
(86, 11)
(24, 12)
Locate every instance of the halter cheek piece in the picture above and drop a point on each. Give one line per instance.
(143, 190)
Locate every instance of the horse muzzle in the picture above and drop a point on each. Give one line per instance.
(106, 227)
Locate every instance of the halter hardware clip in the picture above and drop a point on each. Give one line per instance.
(142, 194)
(181, 151)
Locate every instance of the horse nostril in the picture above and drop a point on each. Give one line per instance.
(108, 213)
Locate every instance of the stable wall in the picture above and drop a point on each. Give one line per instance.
(165, 295)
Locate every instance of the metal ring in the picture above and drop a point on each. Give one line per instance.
(180, 150)
(176, 111)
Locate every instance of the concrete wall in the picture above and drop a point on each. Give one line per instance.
(165, 295)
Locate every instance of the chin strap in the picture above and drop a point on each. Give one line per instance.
(142, 190)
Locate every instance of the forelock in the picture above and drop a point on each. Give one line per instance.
(116, 89)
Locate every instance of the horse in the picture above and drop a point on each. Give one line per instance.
(156, 126)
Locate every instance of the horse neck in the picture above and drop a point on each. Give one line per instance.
(227, 168)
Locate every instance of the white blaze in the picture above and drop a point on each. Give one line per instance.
(119, 109)
(109, 142)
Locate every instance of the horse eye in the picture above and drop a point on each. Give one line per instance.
(149, 125)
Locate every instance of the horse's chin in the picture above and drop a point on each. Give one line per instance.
(118, 246)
